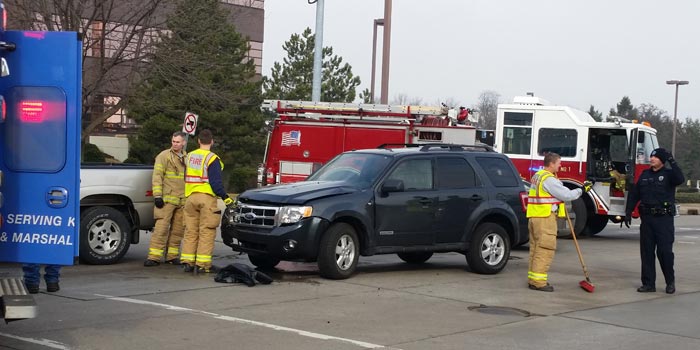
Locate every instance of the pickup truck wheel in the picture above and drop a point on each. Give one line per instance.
(489, 249)
(263, 262)
(104, 236)
(415, 257)
(339, 252)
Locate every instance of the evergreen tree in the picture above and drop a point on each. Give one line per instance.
(201, 67)
(595, 114)
(292, 79)
(625, 109)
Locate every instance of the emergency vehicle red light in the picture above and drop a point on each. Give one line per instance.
(31, 111)
(35, 35)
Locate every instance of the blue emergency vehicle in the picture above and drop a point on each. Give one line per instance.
(40, 124)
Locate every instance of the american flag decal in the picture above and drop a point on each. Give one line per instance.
(291, 138)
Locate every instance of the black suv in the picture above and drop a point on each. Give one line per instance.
(412, 201)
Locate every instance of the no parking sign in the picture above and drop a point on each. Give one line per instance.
(190, 124)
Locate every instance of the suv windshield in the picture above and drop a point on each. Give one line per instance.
(357, 169)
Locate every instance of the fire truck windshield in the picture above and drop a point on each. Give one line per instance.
(355, 169)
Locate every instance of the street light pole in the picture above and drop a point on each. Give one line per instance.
(377, 22)
(675, 111)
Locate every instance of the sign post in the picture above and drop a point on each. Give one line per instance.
(190, 124)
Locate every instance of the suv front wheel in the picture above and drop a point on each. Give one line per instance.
(339, 252)
(489, 249)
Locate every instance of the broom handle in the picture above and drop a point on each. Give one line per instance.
(573, 235)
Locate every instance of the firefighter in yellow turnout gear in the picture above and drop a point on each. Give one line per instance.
(168, 185)
(545, 203)
(203, 184)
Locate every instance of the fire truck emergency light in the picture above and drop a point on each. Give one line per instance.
(31, 111)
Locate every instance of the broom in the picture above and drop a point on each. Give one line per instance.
(587, 285)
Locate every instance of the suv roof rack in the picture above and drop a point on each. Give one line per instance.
(387, 145)
(424, 147)
(455, 147)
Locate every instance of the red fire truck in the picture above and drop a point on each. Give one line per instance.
(305, 135)
(610, 154)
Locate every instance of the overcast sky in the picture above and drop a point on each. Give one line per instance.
(574, 53)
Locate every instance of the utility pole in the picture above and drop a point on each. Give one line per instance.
(385, 53)
(318, 52)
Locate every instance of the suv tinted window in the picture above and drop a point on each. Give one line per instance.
(455, 173)
(416, 174)
(499, 171)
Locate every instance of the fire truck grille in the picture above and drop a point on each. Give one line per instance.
(255, 216)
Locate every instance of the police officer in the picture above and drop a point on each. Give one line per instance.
(168, 183)
(203, 184)
(545, 203)
(655, 191)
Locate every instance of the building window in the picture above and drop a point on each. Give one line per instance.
(559, 141)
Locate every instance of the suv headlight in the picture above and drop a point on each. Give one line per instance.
(292, 214)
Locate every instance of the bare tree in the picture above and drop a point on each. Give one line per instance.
(117, 42)
(403, 99)
(487, 108)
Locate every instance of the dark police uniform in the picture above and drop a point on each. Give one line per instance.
(655, 192)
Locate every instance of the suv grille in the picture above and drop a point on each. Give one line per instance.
(257, 216)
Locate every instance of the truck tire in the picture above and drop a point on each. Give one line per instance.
(339, 252)
(489, 249)
(105, 235)
(578, 213)
(263, 262)
(596, 223)
(415, 257)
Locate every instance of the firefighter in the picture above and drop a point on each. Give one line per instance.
(203, 184)
(545, 203)
(655, 191)
(168, 183)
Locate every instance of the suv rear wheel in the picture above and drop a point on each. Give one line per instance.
(415, 257)
(339, 252)
(489, 249)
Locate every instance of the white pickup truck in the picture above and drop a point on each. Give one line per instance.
(116, 202)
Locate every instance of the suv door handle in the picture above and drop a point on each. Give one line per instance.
(476, 197)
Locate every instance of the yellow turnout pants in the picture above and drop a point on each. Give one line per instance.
(202, 217)
(168, 232)
(543, 244)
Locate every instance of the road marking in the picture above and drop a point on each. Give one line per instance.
(684, 242)
(251, 322)
(43, 342)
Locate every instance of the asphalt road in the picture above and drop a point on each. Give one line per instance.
(388, 304)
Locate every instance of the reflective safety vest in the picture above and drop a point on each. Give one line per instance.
(539, 201)
(197, 172)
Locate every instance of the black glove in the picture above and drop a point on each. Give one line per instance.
(159, 202)
(670, 158)
(587, 185)
(627, 221)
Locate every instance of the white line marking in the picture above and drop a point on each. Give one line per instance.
(241, 320)
(43, 342)
(684, 242)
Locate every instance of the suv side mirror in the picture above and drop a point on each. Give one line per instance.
(392, 185)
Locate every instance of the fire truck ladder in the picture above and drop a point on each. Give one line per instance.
(342, 110)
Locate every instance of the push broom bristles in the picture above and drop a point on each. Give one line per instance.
(587, 286)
